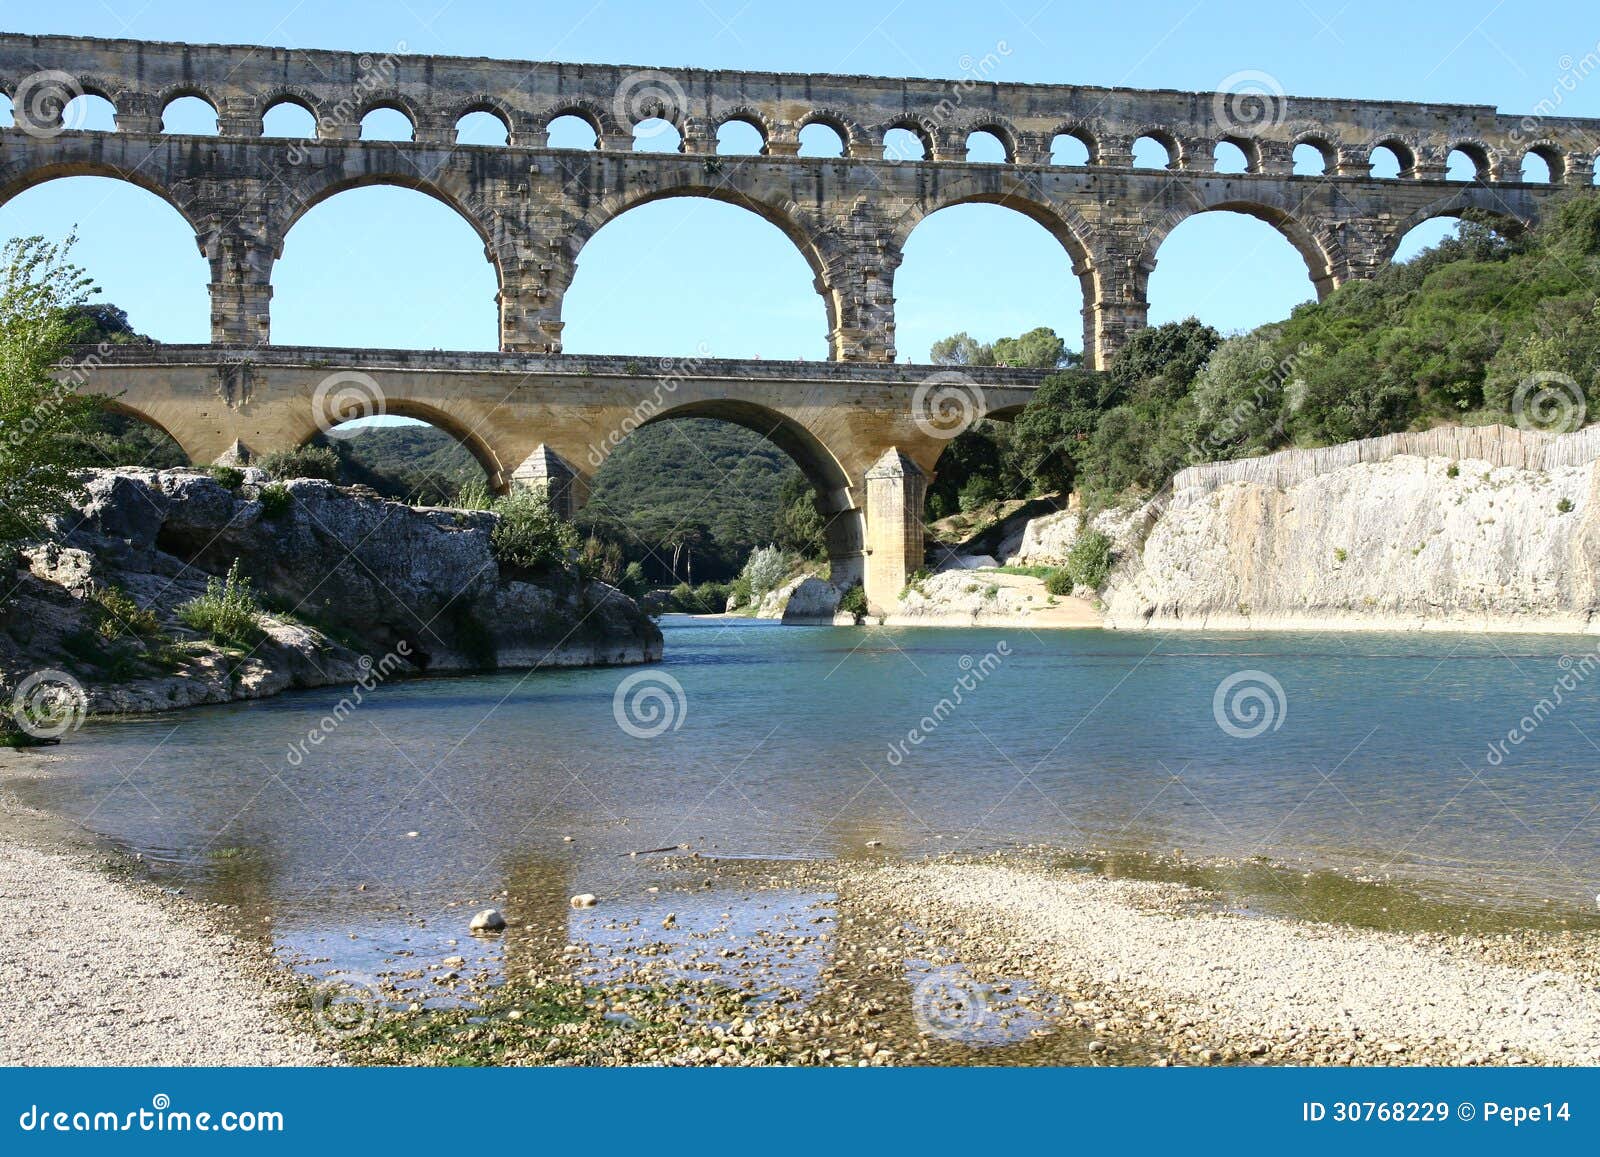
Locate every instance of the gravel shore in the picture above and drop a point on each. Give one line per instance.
(99, 972)
(1154, 959)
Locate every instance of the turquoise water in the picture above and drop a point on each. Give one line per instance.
(797, 742)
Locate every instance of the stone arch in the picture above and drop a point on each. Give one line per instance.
(594, 115)
(851, 133)
(912, 125)
(287, 211)
(1249, 146)
(395, 102)
(1327, 147)
(845, 528)
(1551, 154)
(1459, 205)
(745, 115)
(19, 177)
(484, 103)
(804, 231)
(291, 94)
(1405, 151)
(497, 474)
(1483, 157)
(1069, 228)
(172, 92)
(1082, 132)
(116, 404)
(998, 127)
(1316, 245)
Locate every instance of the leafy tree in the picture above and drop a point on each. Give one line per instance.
(1049, 436)
(529, 534)
(39, 413)
(799, 527)
(961, 349)
(764, 572)
(1040, 349)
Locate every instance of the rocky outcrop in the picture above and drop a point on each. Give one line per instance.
(346, 578)
(987, 598)
(806, 600)
(1456, 529)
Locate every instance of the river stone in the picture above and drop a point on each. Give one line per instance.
(583, 900)
(489, 920)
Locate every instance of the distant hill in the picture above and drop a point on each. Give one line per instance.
(705, 490)
(420, 464)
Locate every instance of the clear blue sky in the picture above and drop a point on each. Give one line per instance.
(384, 267)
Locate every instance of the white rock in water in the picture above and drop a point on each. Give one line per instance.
(489, 920)
(583, 900)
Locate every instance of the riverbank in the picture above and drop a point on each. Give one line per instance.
(101, 968)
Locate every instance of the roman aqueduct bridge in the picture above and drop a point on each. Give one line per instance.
(532, 412)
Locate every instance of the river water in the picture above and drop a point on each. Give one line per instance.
(1372, 755)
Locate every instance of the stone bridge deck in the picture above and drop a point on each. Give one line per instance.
(868, 437)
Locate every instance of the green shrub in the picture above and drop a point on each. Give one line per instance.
(1452, 471)
(1340, 554)
(1058, 581)
(1089, 560)
(227, 612)
(1564, 506)
(633, 581)
(119, 614)
(474, 495)
(978, 493)
(529, 533)
(275, 500)
(303, 462)
(854, 602)
(739, 591)
(228, 477)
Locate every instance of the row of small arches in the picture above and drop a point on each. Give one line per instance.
(287, 119)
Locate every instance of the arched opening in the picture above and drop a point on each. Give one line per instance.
(691, 277)
(1152, 153)
(481, 127)
(986, 148)
(1539, 167)
(191, 116)
(89, 113)
(387, 123)
(902, 144)
(821, 140)
(1389, 160)
(1021, 279)
(1313, 158)
(140, 250)
(655, 135)
(688, 497)
(409, 459)
(740, 138)
(289, 119)
(1232, 270)
(384, 267)
(1425, 236)
(1468, 163)
(1230, 157)
(1068, 149)
(117, 436)
(570, 131)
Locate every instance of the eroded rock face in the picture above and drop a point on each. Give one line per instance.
(343, 574)
(1409, 542)
(805, 600)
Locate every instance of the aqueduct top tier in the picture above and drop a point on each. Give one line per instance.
(535, 206)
